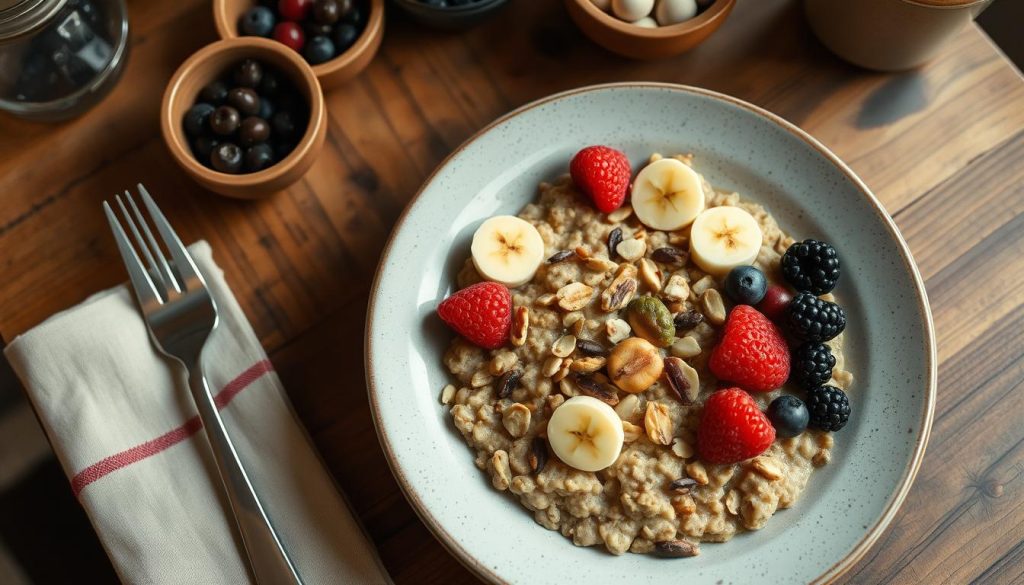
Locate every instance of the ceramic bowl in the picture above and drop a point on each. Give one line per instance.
(208, 64)
(646, 43)
(451, 17)
(890, 340)
(331, 73)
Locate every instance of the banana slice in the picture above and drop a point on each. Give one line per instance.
(724, 237)
(667, 195)
(585, 433)
(508, 250)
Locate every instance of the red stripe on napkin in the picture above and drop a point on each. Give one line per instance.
(169, 439)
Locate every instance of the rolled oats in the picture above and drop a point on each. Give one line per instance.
(697, 471)
(447, 393)
(685, 347)
(551, 365)
(480, 379)
(563, 370)
(545, 300)
(631, 432)
(574, 296)
(588, 365)
(600, 264)
(658, 423)
(564, 346)
(520, 326)
(502, 362)
(501, 473)
(620, 214)
(681, 448)
(767, 467)
(516, 419)
(732, 502)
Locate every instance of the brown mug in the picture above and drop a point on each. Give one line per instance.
(889, 35)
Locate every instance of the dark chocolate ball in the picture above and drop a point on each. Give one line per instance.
(227, 158)
(245, 100)
(248, 73)
(253, 129)
(224, 120)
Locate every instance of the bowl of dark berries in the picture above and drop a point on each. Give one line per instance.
(244, 117)
(450, 14)
(338, 38)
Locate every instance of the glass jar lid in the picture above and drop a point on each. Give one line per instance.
(20, 17)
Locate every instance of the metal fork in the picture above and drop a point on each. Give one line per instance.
(180, 315)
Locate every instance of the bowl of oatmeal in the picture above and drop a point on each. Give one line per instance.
(632, 318)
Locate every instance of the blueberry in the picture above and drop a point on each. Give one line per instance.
(319, 49)
(266, 109)
(203, 148)
(215, 93)
(196, 118)
(227, 158)
(258, 21)
(788, 415)
(258, 157)
(746, 285)
(344, 36)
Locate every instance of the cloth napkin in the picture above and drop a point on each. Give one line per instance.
(124, 426)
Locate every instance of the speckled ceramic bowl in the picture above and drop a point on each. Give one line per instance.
(847, 504)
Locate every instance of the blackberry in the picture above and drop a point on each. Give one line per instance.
(812, 364)
(829, 408)
(814, 319)
(811, 266)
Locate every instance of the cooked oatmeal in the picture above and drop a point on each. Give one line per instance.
(658, 489)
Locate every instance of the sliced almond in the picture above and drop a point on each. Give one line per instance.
(516, 419)
(621, 289)
(702, 285)
(768, 468)
(650, 274)
(545, 300)
(480, 379)
(574, 296)
(567, 388)
(698, 472)
(564, 346)
(620, 214)
(681, 448)
(600, 264)
(658, 424)
(587, 365)
(571, 318)
(501, 475)
(732, 502)
(631, 432)
(631, 249)
(685, 347)
(629, 407)
(551, 365)
(714, 306)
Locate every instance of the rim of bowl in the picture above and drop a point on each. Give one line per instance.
(374, 24)
(473, 6)
(174, 132)
(718, 10)
(872, 535)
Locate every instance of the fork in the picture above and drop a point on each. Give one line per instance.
(180, 315)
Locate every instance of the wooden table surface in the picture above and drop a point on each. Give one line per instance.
(942, 147)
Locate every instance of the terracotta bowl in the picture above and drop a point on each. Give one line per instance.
(332, 73)
(211, 62)
(646, 43)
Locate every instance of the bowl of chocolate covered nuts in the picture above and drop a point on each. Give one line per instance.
(244, 117)
(648, 29)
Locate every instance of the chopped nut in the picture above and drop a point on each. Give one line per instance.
(669, 255)
(629, 407)
(578, 326)
(567, 388)
(600, 264)
(509, 382)
(571, 318)
(658, 423)
(554, 401)
(684, 504)
(676, 549)
(681, 448)
(650, 274)
(697, 471)
(702, 285)
(545, 300)
(502, 474)
(621, 289)
(732, 502)
(843, 379)
(516, 419)
(631, 249)
(685, 347)
(634, 365)
(588, 365)
(631, 432)
(617, 330)
(583, 252)
(563, 371)
(538, 455)
(520, 326)
(767, 467)
(676, 289)
(614, 239)
(574, 296)
(447, 394)
(604, 392)
(682, 380)
(564, 346)
(480, 379)
(592, 348)
(551, 366)
(502, 362)
(714, 307)
(683, 485)
(821, 458)
(620, 214)
(560, 256)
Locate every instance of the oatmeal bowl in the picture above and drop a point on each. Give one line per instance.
(675, 340)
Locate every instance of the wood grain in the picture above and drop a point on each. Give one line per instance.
(940, 146)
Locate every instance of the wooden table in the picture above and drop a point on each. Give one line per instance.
(942, 148)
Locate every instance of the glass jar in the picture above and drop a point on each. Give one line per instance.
(58, 58)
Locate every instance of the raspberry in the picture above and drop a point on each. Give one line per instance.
(732, 428)
(482, 313)
(811, 266)
(812, 364)
(603, 174)
(829, 408)
(752, 352)
(814, 319)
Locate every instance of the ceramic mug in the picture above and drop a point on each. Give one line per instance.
(889, 35)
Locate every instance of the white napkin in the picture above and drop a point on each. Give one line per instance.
(125, 429)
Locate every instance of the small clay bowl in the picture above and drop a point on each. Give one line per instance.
(646, 43)
(210, 63)
(451, 18)
(333, 73)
